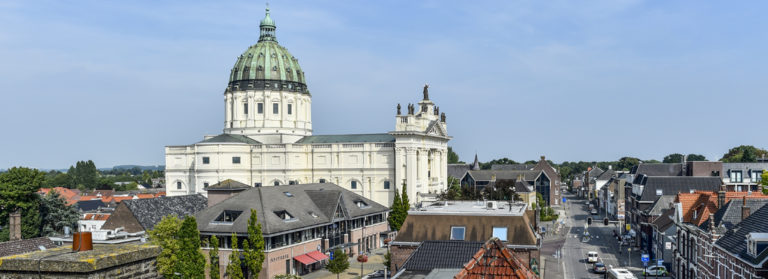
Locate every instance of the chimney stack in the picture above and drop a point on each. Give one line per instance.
(14, 223)
(744, 209)
(721, 197)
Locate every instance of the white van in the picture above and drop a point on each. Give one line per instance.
(620, 273)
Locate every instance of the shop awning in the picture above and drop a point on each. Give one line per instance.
(307, 260)
(317, 255)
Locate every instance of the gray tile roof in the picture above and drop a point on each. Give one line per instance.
(457, 170)
(228, 184)
(441, 254)
(664, 221)
(16, 247)
(528, 175)
(230, 138)
(671, 185)
(606, 175)
(304, 200)
(659, 169)
(729, 216)
(149, 212)
(90, 205)
(348, 138)
(523, 187)
(512, 167)
(663, 203)
(734, 241)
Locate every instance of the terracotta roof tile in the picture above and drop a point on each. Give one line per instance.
(698, 205)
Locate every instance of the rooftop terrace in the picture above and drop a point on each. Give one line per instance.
(485, 208)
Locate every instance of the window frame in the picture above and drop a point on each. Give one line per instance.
(275, 108)
(506, 233)
(290, 109)
(463, 232)
(178, 185)
(260, 108)
(386, 185)
(245, 107)
(206, 160)
(236, 160)
(353, 184)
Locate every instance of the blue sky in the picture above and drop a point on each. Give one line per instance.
(116, 81)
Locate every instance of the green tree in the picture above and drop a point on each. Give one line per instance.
(673, 158)
(234, 271)
(743, 153)
(339, 263)
(192, 261)
(453, 158)
(165, 235)
(18, 191)
(55, 214)
(627, 163)
(253, 248)
(213, 256)
(60, 179)
(406, 202)
(696, 157)
(84, 173)
(395, 211)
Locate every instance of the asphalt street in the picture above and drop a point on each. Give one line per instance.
(564, 249)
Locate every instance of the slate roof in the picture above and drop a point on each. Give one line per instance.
(734, 241)
(90, 205)
(659, 169)
(231, 138)
(528, 175)
(606, 175)
(729, 216)
(670, 185)
(348, 138)
(664, 221)
(523, 187)
(663, 203)
(320, 199)
(441, 254)
(16, 247)
(512, 167)
(150, 211)
(228, 184)
(457, 170)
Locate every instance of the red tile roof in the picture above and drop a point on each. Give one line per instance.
(698, 205)
(494, 260)
(96, 216)
(70, 195)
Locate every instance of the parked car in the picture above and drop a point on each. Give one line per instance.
(377, 274)
(655, 270)
(592, 257)
(593, 211)
(598, 267)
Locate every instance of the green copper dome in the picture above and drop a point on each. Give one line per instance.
(267, 65)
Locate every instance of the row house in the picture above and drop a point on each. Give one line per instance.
(741, 252)
(701, 218)
(743, 177)
(301, 224)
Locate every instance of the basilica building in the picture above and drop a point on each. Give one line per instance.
(267, 139)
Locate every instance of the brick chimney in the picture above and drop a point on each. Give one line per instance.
(721, 197)
(744, 209)
(14, 223)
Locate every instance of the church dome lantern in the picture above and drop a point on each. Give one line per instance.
(267, 65)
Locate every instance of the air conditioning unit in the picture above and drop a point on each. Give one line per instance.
(491, 205)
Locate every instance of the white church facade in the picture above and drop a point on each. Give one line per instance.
(267, 139)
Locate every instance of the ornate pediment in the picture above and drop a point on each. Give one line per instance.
(436, 129)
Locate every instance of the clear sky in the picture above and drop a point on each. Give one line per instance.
(116, 81)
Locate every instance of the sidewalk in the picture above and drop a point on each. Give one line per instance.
(375, 262)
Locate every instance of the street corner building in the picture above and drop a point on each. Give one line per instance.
(301, 224)
(268, 141)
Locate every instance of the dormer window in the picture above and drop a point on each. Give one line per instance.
(756, 243)
(228, 216)
(313, 214)
(288, 194)
(361, 204)
(284, 215)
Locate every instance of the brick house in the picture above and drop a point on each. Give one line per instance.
(741, 252)
(300, 224)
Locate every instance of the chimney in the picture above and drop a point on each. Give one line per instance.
(543, 158)
(711, 222)
(721, 197)
(744, 209)
(14, 223)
